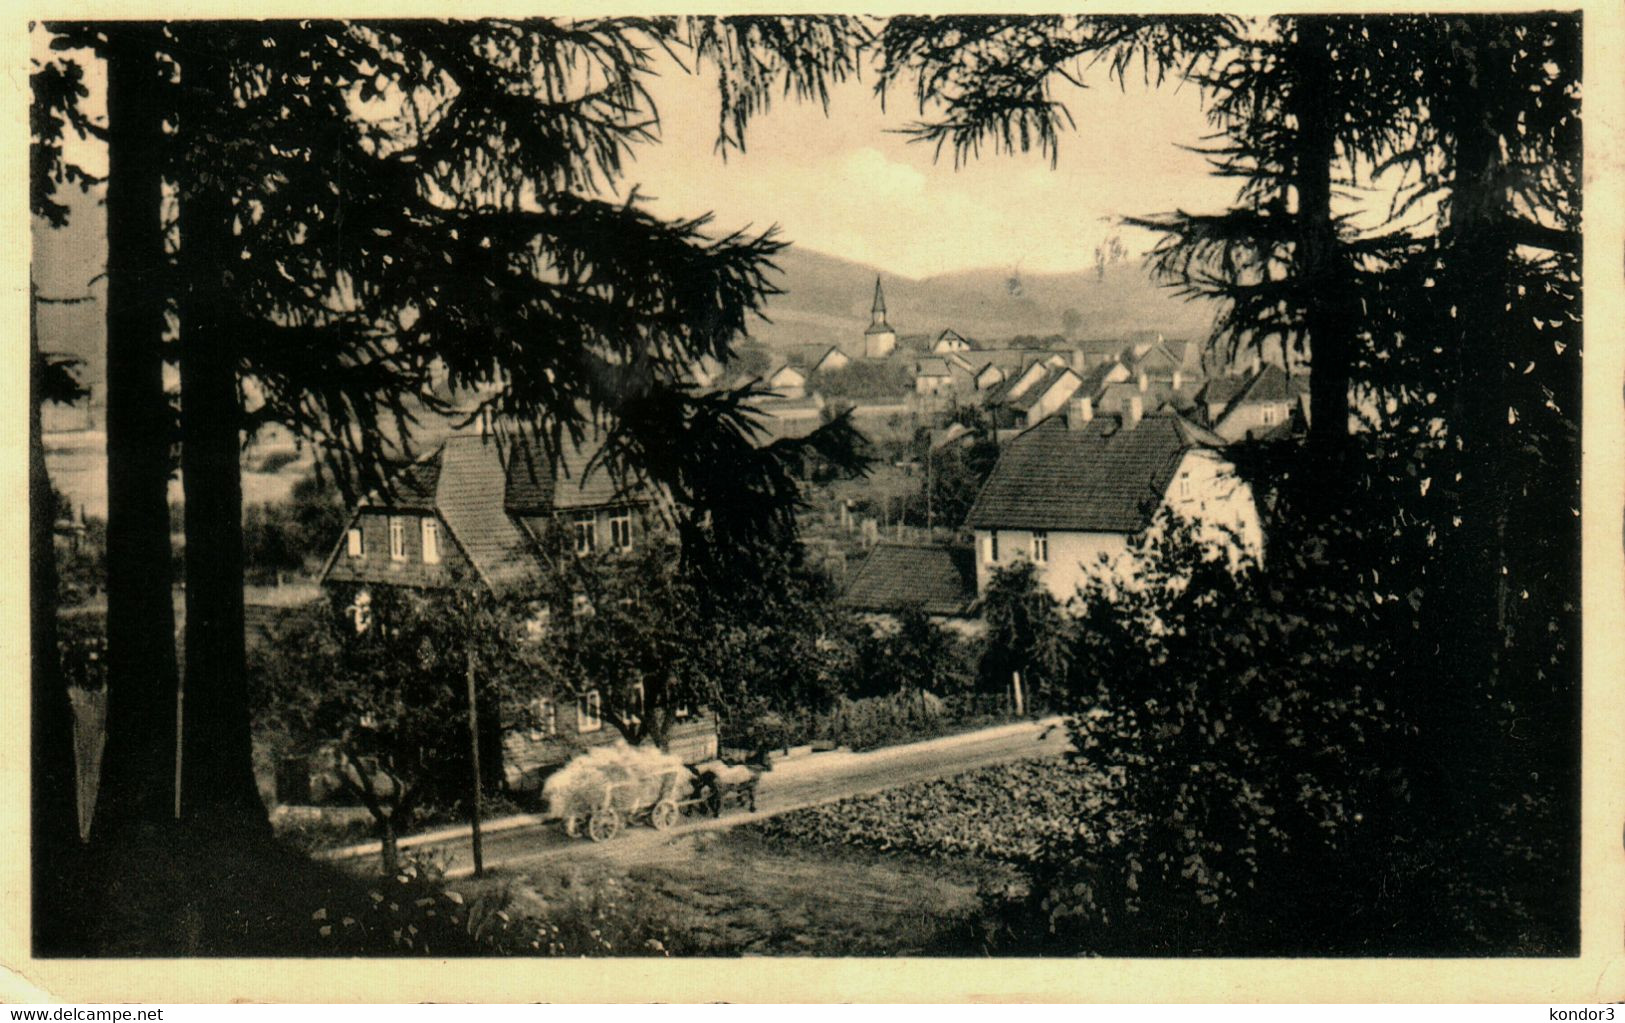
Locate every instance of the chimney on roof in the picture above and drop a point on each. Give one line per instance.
(1133, 412)
(1145, 381)
(1179, 379)
(1079, 412)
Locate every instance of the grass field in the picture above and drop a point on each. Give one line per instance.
(735, 893)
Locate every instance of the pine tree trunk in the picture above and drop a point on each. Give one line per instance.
(219, 780)
(138, 767)
(1477, 268)
(1326, 319)
(53, 831)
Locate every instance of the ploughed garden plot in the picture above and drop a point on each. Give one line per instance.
(899, 872)
(1006, 813)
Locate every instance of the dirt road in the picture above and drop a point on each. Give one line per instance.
(794, 783)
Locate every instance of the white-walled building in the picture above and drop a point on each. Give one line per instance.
(788, 382)
(1069, 494)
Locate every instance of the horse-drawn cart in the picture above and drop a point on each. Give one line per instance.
(658, 801)
(602, 791)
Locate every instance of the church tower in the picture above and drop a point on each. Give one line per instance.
(879, 339)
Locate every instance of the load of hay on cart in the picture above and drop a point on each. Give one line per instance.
(607, 788)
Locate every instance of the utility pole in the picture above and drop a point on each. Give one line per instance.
(474, 748)
(930, 521)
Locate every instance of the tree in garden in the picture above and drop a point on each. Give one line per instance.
(1246, 728)
(1026, 643)
(958, 470)
(922, 656)
(467, 235)
(625, 627)
(1450, 310)
(391, 700)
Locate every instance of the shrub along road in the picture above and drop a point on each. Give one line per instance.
(796, 782)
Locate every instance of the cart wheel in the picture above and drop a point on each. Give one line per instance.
(664, 816)
(603, 825)
(572, 825)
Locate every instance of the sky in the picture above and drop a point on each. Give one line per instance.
(848, 184)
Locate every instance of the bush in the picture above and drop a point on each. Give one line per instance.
(1246, 730)
(415, 913)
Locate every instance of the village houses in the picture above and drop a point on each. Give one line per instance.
(1069, 494)
(477, 512)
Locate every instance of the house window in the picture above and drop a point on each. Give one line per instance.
(590, 712)
(352, 542)
(547, 719)
(620, 530)
(1185, 486)
(993, 545)
(1040, 546)
(586, 531)
(397, 539)
(431, 541)
(1270, 415)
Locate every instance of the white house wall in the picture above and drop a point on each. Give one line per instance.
(1072, 557)
(1205, 489)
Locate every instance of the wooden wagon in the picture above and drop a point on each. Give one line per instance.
(658, 801)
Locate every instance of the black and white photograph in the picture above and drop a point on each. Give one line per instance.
(947, 486)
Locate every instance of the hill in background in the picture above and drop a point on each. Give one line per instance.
(826, 300)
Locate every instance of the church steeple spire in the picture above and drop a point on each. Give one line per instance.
(878, 313)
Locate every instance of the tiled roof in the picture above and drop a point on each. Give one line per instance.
(471, 477)
(1049, 380)
(939, 580)
(1221, 390)
(1099, 477)
(1094, 378)
(932, 367)
(1011, 360)
(1167, 356)
(1272, 384)
(535, 486)
(411, 488)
